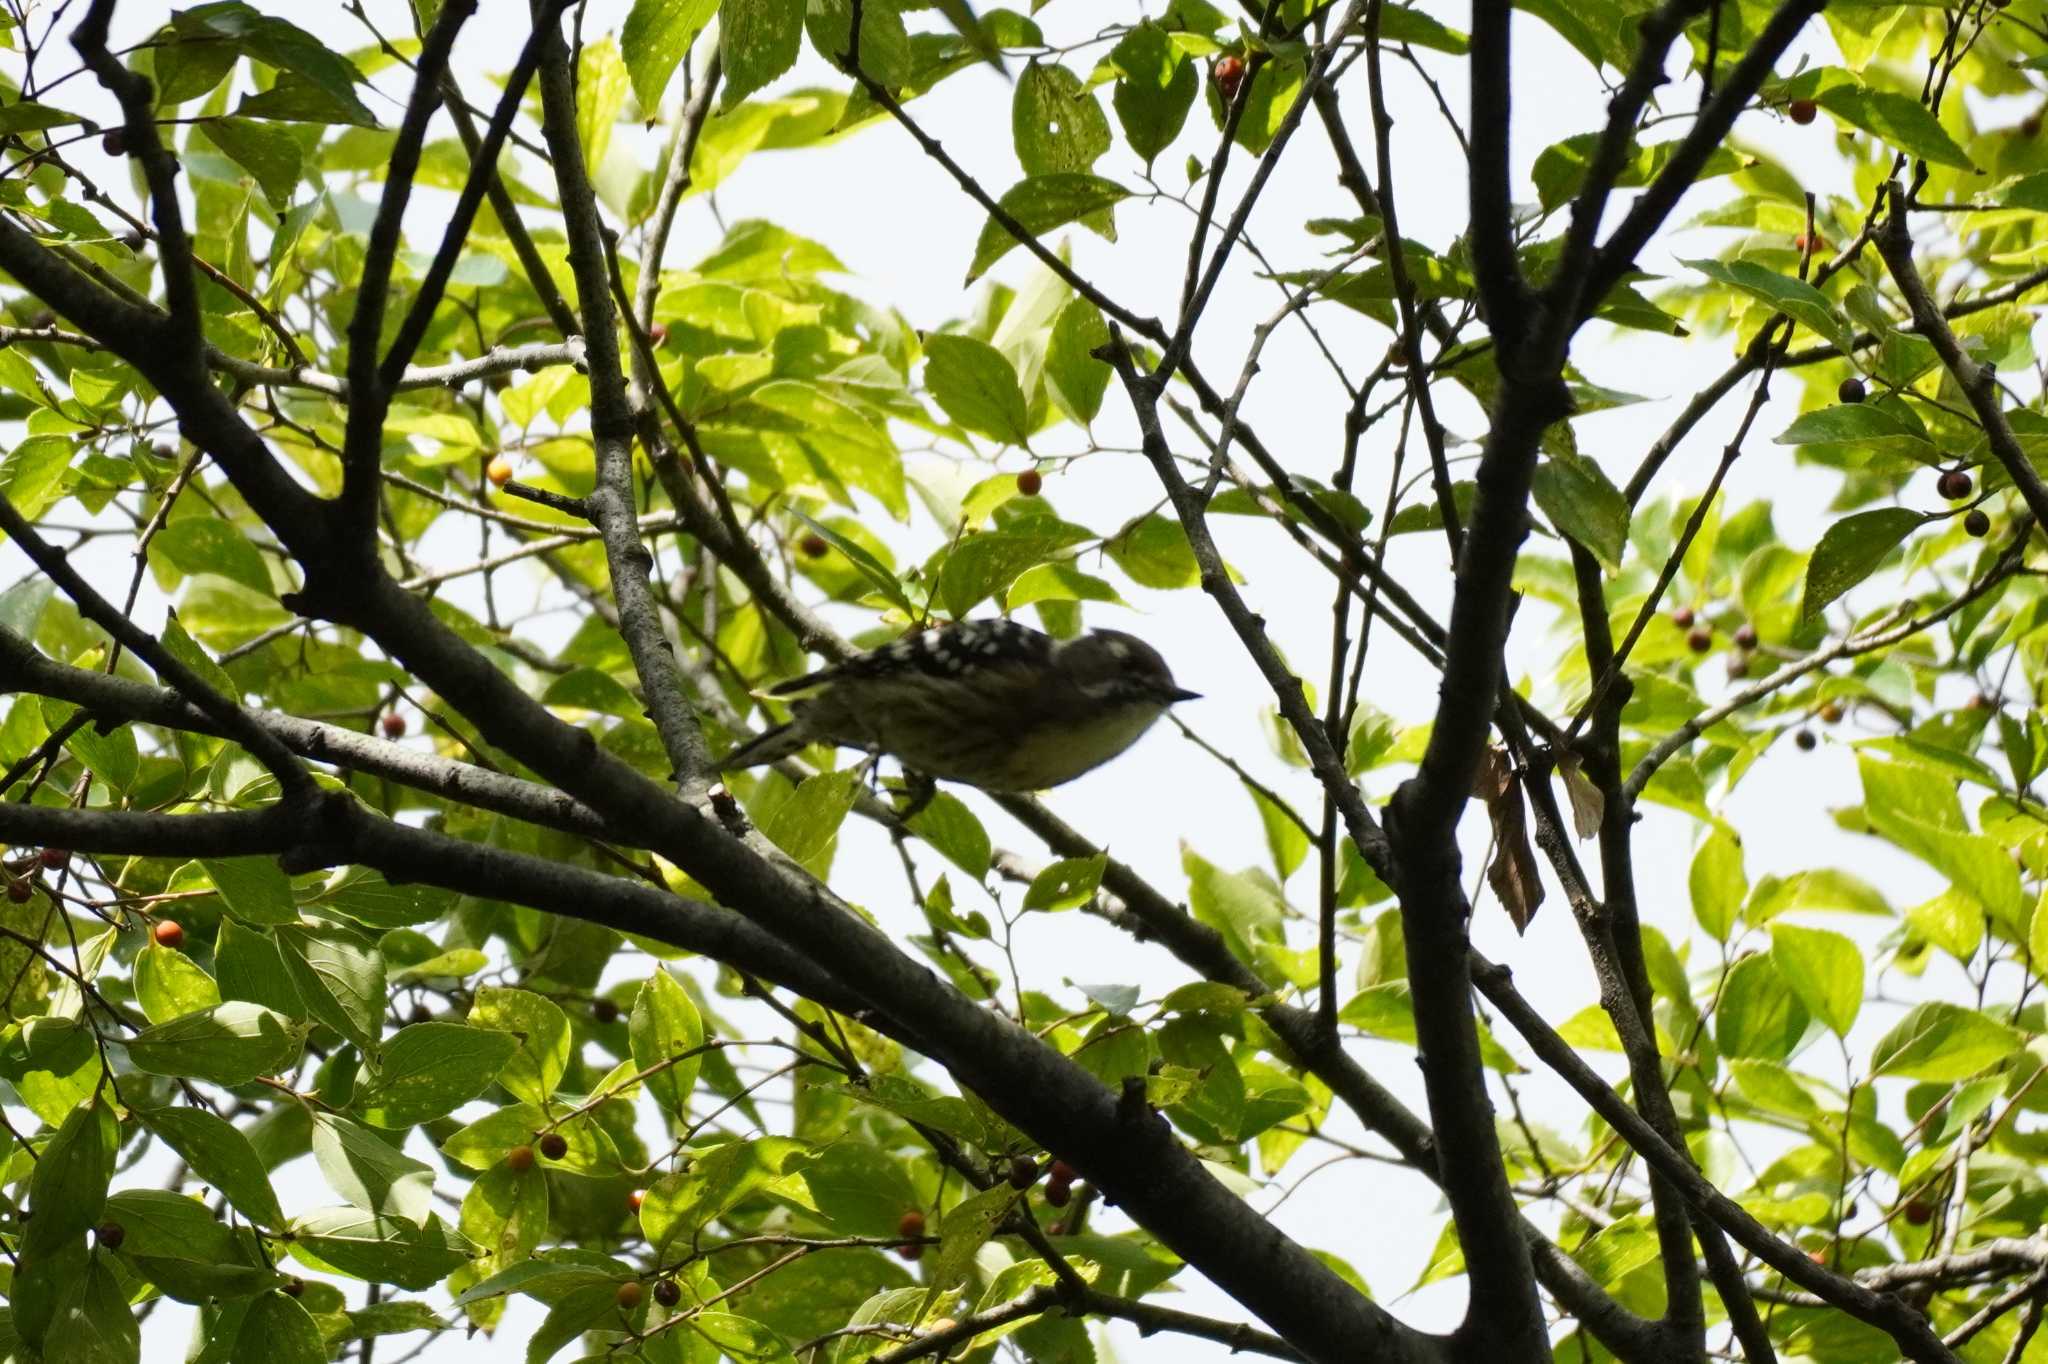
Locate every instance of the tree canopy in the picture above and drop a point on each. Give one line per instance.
(401, 525)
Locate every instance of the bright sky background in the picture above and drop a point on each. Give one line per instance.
(905, 233)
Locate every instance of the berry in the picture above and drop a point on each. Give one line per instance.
(910, 1224)
(1029, 482)
(1063, 1172)
(1802, 111)
(1745, 636)
(668, 1292)
(115, 142)
(1977, 523)
(294, 1286)
(519, 1159)
(393, 725)
(420, 1014)
(1700, 638)
(912, 1252)
(1738, 665)
(1851, 390)
(2030, 126)
(1804, 738)
(635, 1199)
(1683, 617)
(1815, 243)
(1979, 701)
(629, 1295)
(1831, 713)
(1819, 1257)
(498, 471)
(110, 1234)
(54, 858)
(1954, 485)
(554, 1146)
(1919, 1212)
(1229, 75)
(135, 241)
(814, 546)
(604, 1011)
(1023, 1172)
(19, 891)
(1058, 1192)
(657, 333)
(169, 933)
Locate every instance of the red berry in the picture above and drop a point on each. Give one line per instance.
(1700, 638)
(1229, 74)
(1802, 111)
(1029, 482)
(1954, 485)
(1919, 1212)
(554, 1146)
(19, 890)
(1977, 523)
(668, 1292)
(1851, 390)
(1058, 1192)
(1063, 1172)
(910, 1224)
(169, 933)
(54, 858)
(635, 1199)
(815, 546)
(393, 725)
(912, 1252)
(628, 1296)
(658, 333)
(519, 1159)
(110, 1234)
(1745, 636)
(1817, 243)
(1683, 617)
(421, 1014)
(499, 471)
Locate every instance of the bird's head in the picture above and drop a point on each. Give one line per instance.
(1111, 665)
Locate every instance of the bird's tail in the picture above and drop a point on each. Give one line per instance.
(775, 745)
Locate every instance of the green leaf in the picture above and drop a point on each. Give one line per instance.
(806, 825)
(955, 833)
(340, 977)
(967, 1226)
(283, 46)
(1851, 551)
(1943, 1043)
(1718, 882)
(278, 1330)
(484, 1142)
(1795, 298)
(866, 564)
(255, 889)
(984, 566)
(885, 51)
(219, 1155)
(977, 387)
(429, 1070)
(758, 40)
(270, 154)
(384, 1249)
(656, 35)
(368, 1171)
(1154, 552)
(1067, 884)
(1056, 123)
(1824, 969)
(67, 1184)
(544, 1042)
(33, 473)
(665, 1024)
(93, 1322)
(1156, 87)
(1043, 203)
(1880, 427)
(169, 984)
(229, 1044)
(1074, 379)
(1898, 119)
(1581, 502)
(1758, 1014)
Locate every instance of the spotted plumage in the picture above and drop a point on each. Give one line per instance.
(991, 703)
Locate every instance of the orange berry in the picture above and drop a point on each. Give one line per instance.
(1229, 75)
(519, 1159)
(393, 725)
(636, 1198)
(628, 1296)
(499, 471)
(910, 1224)
(169, 933)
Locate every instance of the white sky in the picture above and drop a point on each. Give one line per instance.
(905, 232)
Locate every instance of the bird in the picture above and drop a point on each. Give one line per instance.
(989, 703)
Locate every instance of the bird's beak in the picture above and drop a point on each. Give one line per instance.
(1182, 694)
